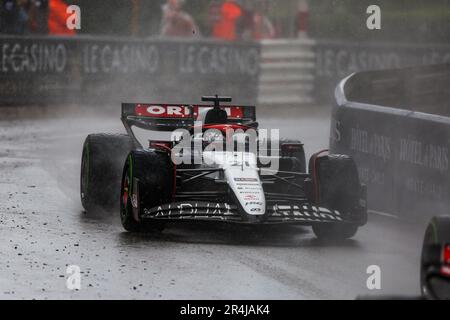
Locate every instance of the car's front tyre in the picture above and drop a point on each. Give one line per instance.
(336, 186)
(147, 181)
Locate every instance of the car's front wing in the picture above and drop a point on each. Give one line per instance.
(300, 213)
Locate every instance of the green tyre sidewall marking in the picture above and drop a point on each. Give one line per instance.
(434, 231)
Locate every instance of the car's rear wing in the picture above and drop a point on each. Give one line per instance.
(169, 117)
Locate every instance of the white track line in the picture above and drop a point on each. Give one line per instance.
(384, 214)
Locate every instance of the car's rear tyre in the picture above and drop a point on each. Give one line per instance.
(336, 186)
(437, 233)
(147, 181)
(101, 167)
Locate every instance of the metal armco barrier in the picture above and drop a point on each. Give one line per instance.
(287, 72)
(402, 153)
(103, 70)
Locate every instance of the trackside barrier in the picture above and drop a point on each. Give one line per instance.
(94, 70)
(335, 60)
(303, 71)
(275, 73)
(287, 72)
(402, 152)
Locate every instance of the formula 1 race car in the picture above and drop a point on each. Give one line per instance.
(435, 260)
(217, 166)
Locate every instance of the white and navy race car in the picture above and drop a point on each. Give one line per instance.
(217, 166)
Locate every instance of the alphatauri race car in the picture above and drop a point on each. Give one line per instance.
(216, 166)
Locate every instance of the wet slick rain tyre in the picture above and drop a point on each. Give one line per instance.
(101, 167)
(338, 188)
(147, 181)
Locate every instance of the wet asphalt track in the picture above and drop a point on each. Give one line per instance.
(43, 229)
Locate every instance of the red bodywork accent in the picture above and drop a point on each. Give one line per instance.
(160, 145)
(445, 268)
(162, 111)
(233, 112)
(179, 111)
(224, 127)
(446, 254)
